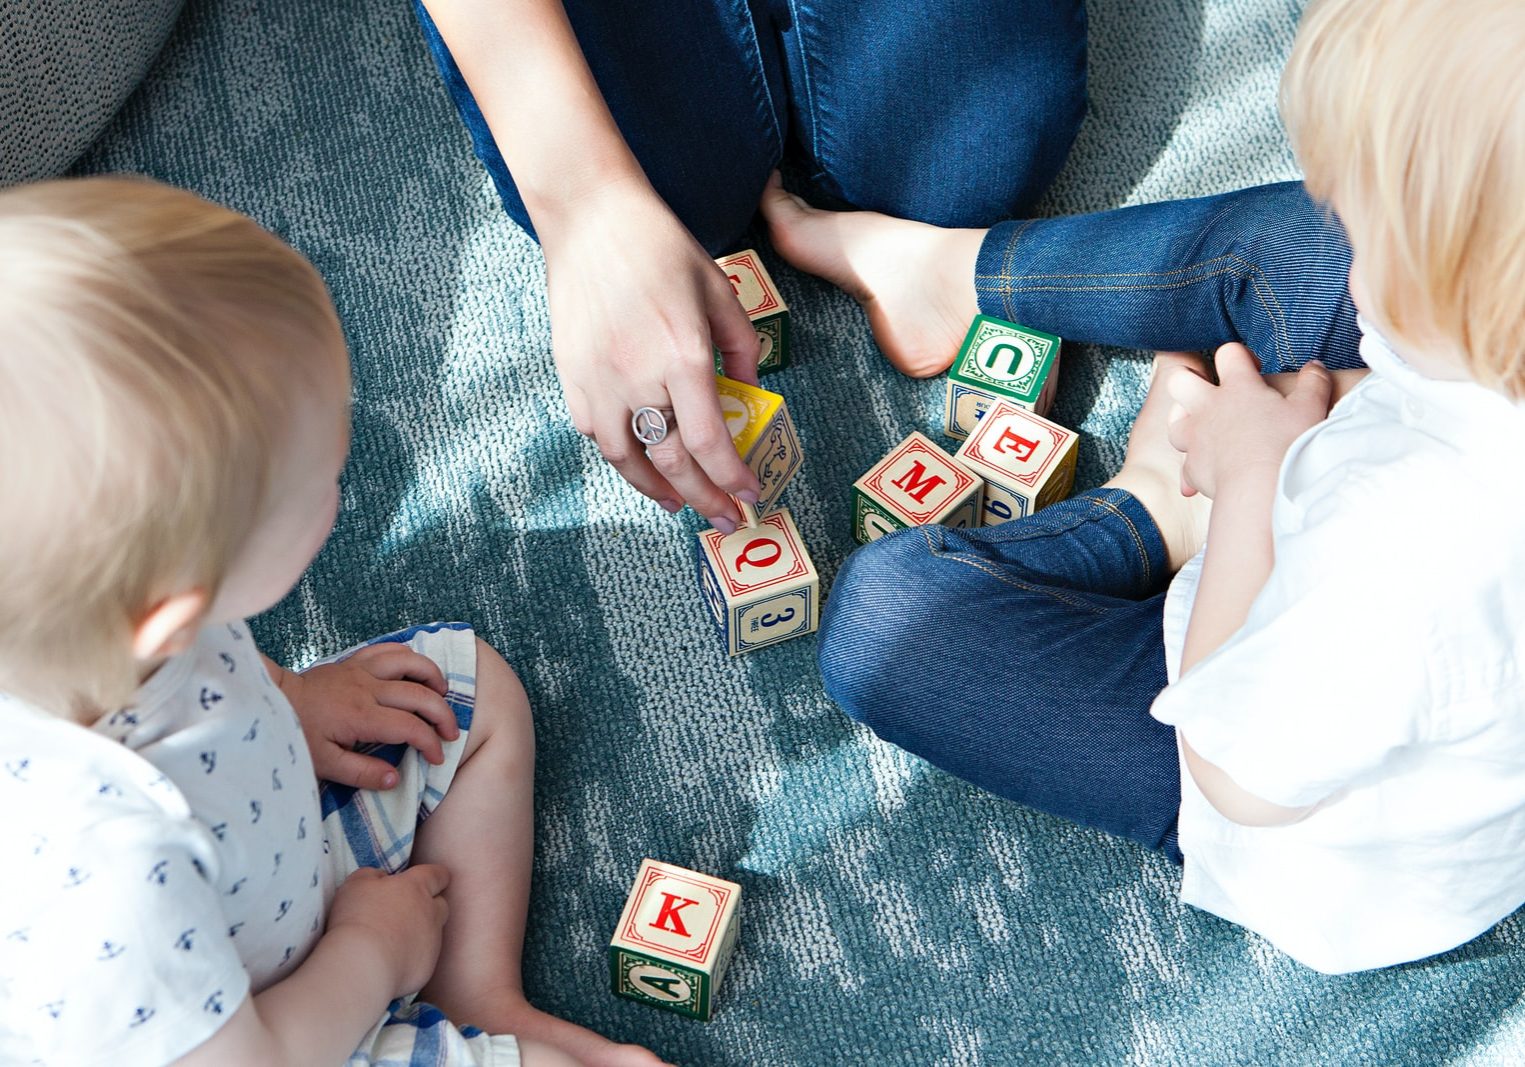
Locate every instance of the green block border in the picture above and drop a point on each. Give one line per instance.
(863, 505)
(982, 327)
(622, 960)
(776, 327)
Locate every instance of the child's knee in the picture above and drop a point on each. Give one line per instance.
(874, 630)
(501, 702)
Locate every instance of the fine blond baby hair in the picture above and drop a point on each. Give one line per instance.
(1408, 117)
(152, 347)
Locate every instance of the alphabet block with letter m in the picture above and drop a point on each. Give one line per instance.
(675, 938)
(917, 483)
(1000, 360)
(759, 583)
(1027, 462)
(760, 299)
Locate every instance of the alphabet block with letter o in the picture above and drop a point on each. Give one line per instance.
(675, 938)
(1027, 462)
(764, 436)
(760, 299)
(759, 583)
(916, 484)
(1000, 360)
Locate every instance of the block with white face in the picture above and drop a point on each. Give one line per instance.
(764, 435)
(1027, 461)
(915, 484)
(759, 583)
(760, 299)
(1000, 360)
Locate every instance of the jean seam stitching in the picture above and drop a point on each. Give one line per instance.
(1006, 266)
(760, 87)
(1133, 531)
(1017, 583)
(810, 100)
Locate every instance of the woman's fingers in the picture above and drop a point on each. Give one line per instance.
(617, 444)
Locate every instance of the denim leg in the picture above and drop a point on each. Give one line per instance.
(1022, 658)
(1265, 266)
(695, 86)
(953, 112)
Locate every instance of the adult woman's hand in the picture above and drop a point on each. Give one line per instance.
(637, 309)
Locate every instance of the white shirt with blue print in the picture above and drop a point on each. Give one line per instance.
(158, 866)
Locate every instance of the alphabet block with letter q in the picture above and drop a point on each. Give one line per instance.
(1027, 462)
(675, 938)
(759, 583)
(1000, 360)
(760, 299)
(915, 485)
(764, 436)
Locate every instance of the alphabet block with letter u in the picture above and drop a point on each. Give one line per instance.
(1027, 462)
(759, 583)
(675, 938)
(916, 484)
(1000, 360)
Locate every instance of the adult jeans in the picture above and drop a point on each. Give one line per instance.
(1022, 658)
(957, 113)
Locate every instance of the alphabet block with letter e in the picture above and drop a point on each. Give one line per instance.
(760, 299)
(675, 938)
(759, 583)
(1000, 360)
(916, 484)
(764, 436)
(1027, 462)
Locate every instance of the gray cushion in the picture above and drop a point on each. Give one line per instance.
(66, 66)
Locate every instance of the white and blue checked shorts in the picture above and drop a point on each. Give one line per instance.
(376, 829)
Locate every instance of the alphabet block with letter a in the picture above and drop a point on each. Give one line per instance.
(759, 583)
(675, 938)
(1000, 360)
(1027, 462)
(760, 299)
(764, 435)
(915, 485)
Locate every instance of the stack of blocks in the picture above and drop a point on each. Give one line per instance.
(759, 583)
(675, 938)
(1012, 462)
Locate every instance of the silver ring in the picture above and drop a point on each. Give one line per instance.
(651, 425)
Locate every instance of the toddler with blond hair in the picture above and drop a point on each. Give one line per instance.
(1322, 713)
(178, 887)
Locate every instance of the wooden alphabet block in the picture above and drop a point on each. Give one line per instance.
(1000, 360)
(759, 583)
(675, 938)
(917, 483)
(761, 301)
(1027, 462)
(764, 435)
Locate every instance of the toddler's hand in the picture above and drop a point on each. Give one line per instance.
(384, 693)
(1241, 425)
(402, 915)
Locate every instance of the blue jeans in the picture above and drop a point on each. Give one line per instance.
(1022, 658)
(958, 116)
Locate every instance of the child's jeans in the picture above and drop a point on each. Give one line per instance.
(1022, 658)
(957, 113)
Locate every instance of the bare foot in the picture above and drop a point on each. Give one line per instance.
(1151, 469)
(515, 1015)
(916, 282)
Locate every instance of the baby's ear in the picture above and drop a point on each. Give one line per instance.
(169, 627)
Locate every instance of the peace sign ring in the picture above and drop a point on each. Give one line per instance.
(651, 425)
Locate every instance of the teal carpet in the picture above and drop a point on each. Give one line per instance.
(892, 914)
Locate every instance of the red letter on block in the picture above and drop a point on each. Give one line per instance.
(760, 544)
(1024, 450)
(669, 913)
(914, 479)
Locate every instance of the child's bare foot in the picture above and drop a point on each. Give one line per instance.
(1151, 469)
(513, 1014)
(915, 281)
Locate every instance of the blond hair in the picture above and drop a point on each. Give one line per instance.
(152, 346)
(1408, 117)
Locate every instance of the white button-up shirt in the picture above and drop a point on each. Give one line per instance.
(1378, 673)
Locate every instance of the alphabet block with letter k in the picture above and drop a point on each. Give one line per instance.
(917, 483)
(675, 938)
(759, 583)
(1027, 462)
(1000, 360)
